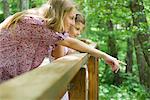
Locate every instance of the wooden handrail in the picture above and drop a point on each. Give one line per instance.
(83, 87)
(48, 82)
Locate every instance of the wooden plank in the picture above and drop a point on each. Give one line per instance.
(93, 78)
(78, 86)
(44, 83)
(77, 89)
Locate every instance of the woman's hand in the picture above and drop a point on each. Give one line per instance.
(113, 62)
(83, 47)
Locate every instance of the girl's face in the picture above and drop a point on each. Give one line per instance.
(76, 30)
(69, 20)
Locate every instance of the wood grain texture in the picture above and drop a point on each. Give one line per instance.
(44, 83)
(77, 89)
(93, 78)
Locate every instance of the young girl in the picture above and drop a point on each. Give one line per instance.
(79, 26)
(74, 31)
(25, 38)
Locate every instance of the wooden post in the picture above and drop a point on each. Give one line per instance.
(93, 78)
(77, 88)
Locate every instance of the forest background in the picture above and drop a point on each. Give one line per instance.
(122, 29)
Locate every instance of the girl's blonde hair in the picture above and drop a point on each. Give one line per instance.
(53, 12)
(80, 18)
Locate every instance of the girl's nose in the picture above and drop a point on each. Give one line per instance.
(78, 33)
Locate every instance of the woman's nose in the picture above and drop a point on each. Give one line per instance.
(73, 23)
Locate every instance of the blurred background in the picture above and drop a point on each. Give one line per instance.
(122, 29)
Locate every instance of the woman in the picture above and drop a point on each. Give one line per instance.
(25, 38)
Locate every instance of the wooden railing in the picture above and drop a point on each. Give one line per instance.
(51, 81)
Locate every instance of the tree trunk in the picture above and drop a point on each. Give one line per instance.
(129, 57)
(141, 41)
(144, 68)
(138, 13)
(23, 4)
(112, 48)
(5, 8)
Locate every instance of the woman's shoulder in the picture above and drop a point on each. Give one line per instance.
(33, 19)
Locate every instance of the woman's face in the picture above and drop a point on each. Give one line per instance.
(76, 30)
(69, 20)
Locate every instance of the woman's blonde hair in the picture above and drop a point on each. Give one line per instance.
(60, 8)
(53, 12)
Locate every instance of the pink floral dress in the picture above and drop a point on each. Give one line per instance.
(24, 46)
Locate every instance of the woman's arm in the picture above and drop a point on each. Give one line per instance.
(83, 47)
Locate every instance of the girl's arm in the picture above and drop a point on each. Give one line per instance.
(58, 51)
(81, 46)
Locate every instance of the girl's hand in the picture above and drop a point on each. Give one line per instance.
(70, 51)
(114, 63)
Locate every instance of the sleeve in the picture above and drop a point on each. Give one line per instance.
(35, 28)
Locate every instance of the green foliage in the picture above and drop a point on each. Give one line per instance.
(111, 92)
(98, 13)
(36, 3)
(14, 6)
(130, 89)
(1, 12)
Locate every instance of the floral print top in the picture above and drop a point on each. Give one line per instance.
(23, 46)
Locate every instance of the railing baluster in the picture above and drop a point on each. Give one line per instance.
(77, 89)
(93, 78)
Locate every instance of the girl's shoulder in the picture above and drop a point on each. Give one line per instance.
(33, 19)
